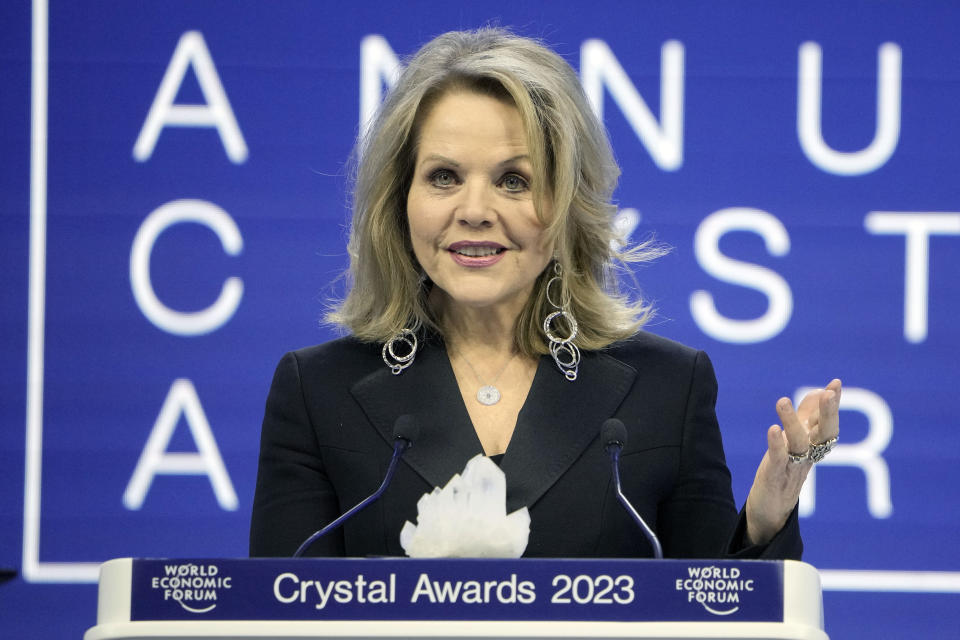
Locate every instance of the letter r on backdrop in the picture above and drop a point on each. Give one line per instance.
(866, 454)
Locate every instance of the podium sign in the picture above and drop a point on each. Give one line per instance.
(407, 589)
(410, 597)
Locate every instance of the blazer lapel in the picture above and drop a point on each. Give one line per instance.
(559, 420)
(428, 391)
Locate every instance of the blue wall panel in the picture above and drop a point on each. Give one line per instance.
(291, 72)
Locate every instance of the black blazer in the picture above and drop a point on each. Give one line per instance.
(327, 435)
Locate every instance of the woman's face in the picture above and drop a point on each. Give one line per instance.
(470, 207)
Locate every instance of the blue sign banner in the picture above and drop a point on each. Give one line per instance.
(482, 589)
(174, 204)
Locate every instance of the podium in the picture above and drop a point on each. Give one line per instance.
(457, 598)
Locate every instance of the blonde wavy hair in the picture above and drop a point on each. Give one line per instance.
(573, 169)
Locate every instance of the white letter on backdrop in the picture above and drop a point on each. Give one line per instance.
(191, 51)
(379, 65)
(625, 222)
(599, 68)
(752, 276)
(809, 110)
(162, 316)
(866, 454)
(155, 459)
(917, 227)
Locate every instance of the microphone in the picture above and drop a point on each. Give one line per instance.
(614, 436)
(405, 431)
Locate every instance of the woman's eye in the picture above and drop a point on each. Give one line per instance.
(513, 182)
(442, 178)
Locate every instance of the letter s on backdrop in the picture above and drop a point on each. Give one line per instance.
(752, 276)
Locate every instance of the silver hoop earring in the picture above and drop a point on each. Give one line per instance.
(565, 353)
(407, 341)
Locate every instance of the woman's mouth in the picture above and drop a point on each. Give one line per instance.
(476, 254)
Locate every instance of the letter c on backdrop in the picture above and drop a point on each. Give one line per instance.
(180, 322)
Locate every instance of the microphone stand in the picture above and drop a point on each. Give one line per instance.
(615, 435)
(400, 444)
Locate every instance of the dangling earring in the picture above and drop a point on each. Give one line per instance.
(399, 362)
(565, 353)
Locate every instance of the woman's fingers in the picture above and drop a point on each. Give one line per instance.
(776, 444)
(797, 436)
(818, 414)
(809, 409)
(828, 409)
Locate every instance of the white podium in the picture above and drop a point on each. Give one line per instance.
(407, 598)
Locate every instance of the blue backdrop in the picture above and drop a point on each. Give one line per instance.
(158, 258)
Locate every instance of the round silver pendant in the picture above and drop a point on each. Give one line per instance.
(488, 395)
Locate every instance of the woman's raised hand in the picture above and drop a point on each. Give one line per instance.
(791, 451)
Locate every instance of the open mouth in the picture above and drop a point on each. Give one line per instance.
(478, 251)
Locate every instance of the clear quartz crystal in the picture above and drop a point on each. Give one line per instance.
(467, 518)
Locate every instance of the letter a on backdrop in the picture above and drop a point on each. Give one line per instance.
(155, 459)
(192, 52)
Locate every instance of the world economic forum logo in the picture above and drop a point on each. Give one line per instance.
(194, 587)
(718, 589)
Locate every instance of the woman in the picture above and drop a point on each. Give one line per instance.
(483, 304)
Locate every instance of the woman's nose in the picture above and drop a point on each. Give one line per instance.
(476, 209)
